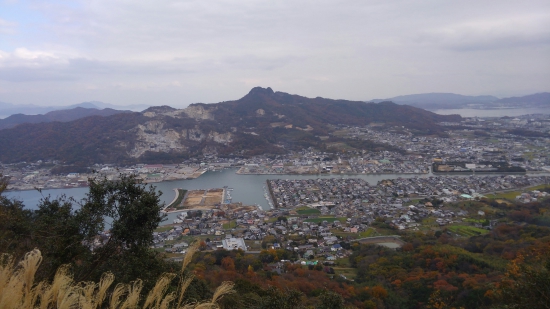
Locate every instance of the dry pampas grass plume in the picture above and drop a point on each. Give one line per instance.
(19, 290)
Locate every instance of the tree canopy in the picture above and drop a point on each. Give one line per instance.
(111, 229)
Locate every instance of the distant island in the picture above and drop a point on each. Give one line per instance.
(435, 101)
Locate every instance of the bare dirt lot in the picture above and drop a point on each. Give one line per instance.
(203, 199)
(237, 207)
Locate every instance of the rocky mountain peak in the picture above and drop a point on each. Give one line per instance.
(260, 90)
(159, 109)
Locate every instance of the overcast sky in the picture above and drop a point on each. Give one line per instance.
(181, 52)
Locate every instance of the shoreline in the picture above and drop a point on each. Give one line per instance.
(335, 175)
(191, 177)
(173, 201)
(239, 172)
(528, 173)
(478, 173)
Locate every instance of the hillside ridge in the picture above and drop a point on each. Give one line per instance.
(261, 122)
(433, 101)
(59, 115)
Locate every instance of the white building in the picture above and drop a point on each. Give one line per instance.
(234, 244)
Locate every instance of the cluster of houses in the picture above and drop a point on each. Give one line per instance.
(255, 226)
(451, 189)
(323, 192)
(418, 153)
(312, 162)
(362, 204)
(533, 196)
(475, 149)
(535, 122)
(317, 239)
(293, 193)
(352, 211)
(389, 162)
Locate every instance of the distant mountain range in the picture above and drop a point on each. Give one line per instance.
(433, 101)
(60, 115)
(262, 122)
(7, 109)
(534, 100)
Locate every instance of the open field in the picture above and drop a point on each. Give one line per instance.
(474, 220)
(307, 211)
(194, 198)
(203, 199)
(164, 228)
(429, 222)
(211, 200)
(239, 207)
(230, 225)
(388, 241)
(506, 195)
(512, 194)
(503, 201)
(368, 233)
(338, 232)
(255, 245)
(468, 231)
(343, 263)
(349, 273)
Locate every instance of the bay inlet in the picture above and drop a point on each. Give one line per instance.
(248, 189)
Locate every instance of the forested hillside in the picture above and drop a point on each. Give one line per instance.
(262, 122)
(65, 115)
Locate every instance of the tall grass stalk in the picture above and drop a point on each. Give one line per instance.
(19, 290)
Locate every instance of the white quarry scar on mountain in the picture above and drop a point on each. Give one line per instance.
(153, 137)
(197, 112)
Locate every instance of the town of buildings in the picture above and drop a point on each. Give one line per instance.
(317, 217)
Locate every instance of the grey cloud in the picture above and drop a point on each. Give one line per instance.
(484, 43)
(329, 48)
(27, 74)
(519, 32)
(79, 66)
(81, 69)
(260, 63)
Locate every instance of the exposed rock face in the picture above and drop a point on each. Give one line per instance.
(250, 125)
(194, 135)
(198, 112)
(152, 136)
(199, 136)
(222, 138)
(152, 126)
